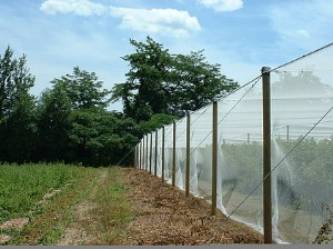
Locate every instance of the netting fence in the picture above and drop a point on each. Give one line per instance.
(294, 128)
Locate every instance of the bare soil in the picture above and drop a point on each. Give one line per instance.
(14, 224)
(82, 230)
(4, 239)
(164, 216)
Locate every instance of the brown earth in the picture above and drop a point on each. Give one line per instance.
(163, 216)
(14, 224)
(4, 239)
(82, 230)
(116, 206)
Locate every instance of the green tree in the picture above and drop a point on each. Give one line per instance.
(196, 83)
(101, 137)
(84, 89)
(159, 82)
(143, 93)
(53, 124)
(17, 109)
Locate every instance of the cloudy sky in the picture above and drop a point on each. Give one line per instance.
(241, 35)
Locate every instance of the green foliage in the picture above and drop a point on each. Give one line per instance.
(70, 122)
(308, 169)
(159, 82)
(156, 122)
(17, 109)
(21, 187)
(53, 123)
(101, 138)
(83, 89)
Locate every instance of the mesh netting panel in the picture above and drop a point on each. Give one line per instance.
(180, 153)
(240, 161)
(201, 153)
(159, 153)
(302, 95)
(143, 153)
(168, 143)
(147, 151)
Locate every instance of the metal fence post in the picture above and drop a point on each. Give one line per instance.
(188, 154)
(267, 187)
(174, 155)
(288, 133)
(163, 155)
(214, 157)
(156, 144)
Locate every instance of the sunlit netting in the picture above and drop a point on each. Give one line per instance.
(159, 153)
(201, 153)
(301, 151)
(302, 95)
(168, 143)
(180, 153)
(240, 138)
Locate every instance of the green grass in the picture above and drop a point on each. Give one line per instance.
(22, 187)
(114, 212)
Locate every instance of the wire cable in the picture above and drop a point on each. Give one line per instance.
(227, 114)
(281, 161)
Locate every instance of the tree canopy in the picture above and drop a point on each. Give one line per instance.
(71, 121)
(161, 82)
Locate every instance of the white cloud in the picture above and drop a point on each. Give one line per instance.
(222, 5)
(165, 21)
(77, 7)
(172, 21)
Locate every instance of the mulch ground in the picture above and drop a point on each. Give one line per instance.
(164, 216)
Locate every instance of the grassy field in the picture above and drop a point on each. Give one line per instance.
(82, 195)
(103, 206)
(21, 187)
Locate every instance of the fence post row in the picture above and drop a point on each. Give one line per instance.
(174, 155)
(156, 143)
(143, 152)
(267, 187)
(188, 154)
(214, 156)
(163, 145)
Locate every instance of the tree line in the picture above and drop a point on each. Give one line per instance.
(71, 120)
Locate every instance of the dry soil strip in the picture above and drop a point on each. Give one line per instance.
(79, 232)
(165, 217)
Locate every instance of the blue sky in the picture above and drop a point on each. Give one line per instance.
(241, 35)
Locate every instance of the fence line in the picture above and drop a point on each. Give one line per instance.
(224, 151)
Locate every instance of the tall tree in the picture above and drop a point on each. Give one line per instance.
(53, 124)
(196, 83)
(17, 109)
(143, 93)
(159, 82)
(84, 89)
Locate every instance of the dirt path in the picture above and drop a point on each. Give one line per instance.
(165, 217)
(81, 230)
(114, 206)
